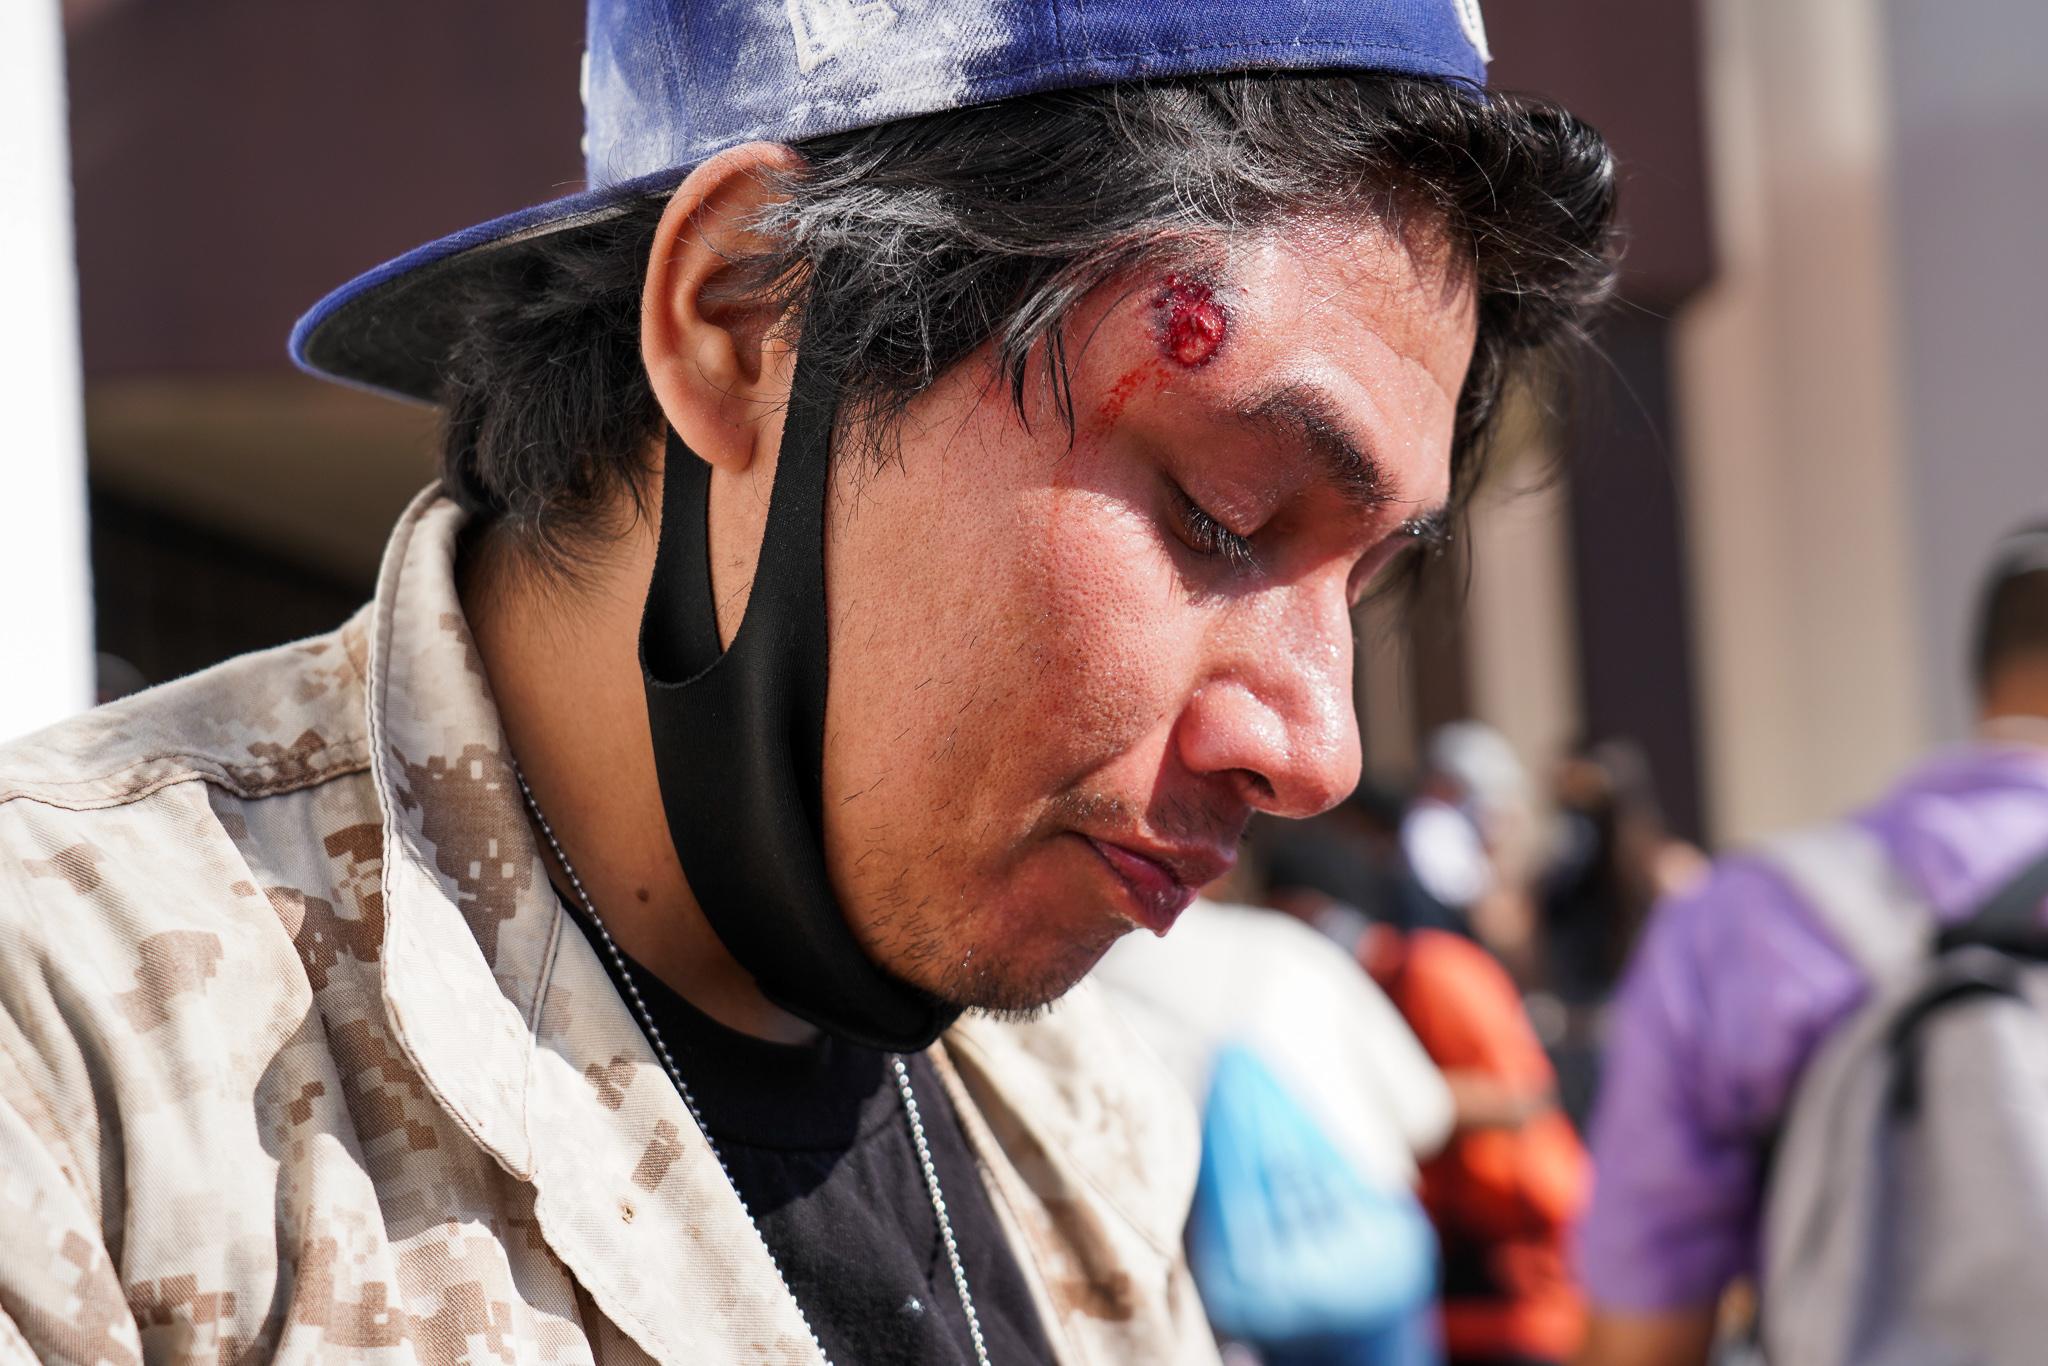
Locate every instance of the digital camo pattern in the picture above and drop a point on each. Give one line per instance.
(297, 1063)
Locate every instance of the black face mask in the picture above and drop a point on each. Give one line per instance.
(739, 742)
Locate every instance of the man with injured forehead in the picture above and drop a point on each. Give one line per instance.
(893, 531)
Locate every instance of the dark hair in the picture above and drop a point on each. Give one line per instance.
(904, 247)
(2012, 609)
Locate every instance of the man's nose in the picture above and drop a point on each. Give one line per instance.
(1276, 715)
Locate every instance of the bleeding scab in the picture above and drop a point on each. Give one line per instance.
(1191, 322)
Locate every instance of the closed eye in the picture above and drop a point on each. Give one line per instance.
(1208, 537)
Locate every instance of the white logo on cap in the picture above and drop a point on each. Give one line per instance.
(1469, 19)
(825, 28)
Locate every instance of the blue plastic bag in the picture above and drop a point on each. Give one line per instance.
(1288, 1243)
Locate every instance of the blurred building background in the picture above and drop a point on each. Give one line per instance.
(1815, 413)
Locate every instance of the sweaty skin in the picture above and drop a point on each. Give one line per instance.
(1068, 663)
(1073, 672)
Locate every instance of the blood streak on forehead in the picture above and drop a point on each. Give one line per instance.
(1191, 323)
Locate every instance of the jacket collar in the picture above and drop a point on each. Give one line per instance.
(512, 1024)
(468, 909)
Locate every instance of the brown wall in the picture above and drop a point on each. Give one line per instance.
(236, 159)
(1634, 71)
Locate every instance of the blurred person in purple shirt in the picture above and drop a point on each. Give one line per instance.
(1736, 984)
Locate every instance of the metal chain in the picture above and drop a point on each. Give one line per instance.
(931, 1182)
(675, 1076)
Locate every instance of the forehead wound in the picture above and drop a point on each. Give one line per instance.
(1189, 322)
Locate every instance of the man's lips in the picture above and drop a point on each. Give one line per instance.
(1161, 883)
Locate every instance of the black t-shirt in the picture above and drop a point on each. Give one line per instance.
(817, 1141)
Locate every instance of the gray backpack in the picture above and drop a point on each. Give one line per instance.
(1906, 1215)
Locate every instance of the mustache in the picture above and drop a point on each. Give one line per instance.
(1172, 818)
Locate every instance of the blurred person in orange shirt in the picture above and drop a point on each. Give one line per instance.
(1514, 1176)
(1507, 1187)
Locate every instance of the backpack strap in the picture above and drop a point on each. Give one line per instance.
(1843, 873)
(2011, 920)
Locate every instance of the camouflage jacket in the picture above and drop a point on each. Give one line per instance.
(301, 1060)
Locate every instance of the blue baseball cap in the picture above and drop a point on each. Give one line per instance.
(670, 83)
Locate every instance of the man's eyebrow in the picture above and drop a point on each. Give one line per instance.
(1307, 415)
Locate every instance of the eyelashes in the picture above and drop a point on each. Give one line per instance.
(1430, 534)
(1208, 537)
(1413, 542)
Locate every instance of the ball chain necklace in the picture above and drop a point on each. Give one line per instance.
(668, 1064)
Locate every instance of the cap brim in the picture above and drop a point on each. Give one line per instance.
(390, 329)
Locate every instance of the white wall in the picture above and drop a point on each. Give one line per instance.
(46, 662)
(1969, 132)
(1860, 387)
(1521, 626)
(1790, 384)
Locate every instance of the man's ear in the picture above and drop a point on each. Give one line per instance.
(715, 368)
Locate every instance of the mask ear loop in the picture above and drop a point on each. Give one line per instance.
(679, 625)
(739, 739)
